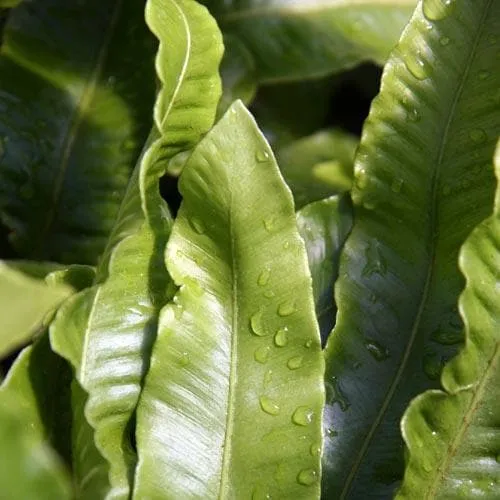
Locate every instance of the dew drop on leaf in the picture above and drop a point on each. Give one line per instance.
(413, 116)
(281, 337)
(256, 324)
(303, 415)
(444, 41)
(416, 64)
(268, 377)
(261, 355)
(435, 10)
(478, 135)
(307, 477)
(361, 178)
(269, 223)
(377, 350)
(260, 493)
(263, 278)
(295, 362)
(315, 449)
(184, 359)
(269, 294)
(262, 156)
(308, 343)
(269, 405)
(286, 308)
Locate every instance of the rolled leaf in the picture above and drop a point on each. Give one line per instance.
(423, 181)
(297, 39)
(453, 436)
(232, 402)
(106, 332)
(318, 166)
(324, 226)
(77, 89)
(25, 302)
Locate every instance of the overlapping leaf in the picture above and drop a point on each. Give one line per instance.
(423, 181)
(107, 331)
(232, 402)
(77, 90)
(454, 436)
(296, 39)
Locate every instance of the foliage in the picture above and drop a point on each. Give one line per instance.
(320, 316)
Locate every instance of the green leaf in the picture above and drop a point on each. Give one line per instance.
(453, 437)
(324, 226)
(8, 4)
(30, 470)
(106, 332)
(297, 39)
(25, 303)
(423, 181)
(319, 165)
(77, 89)
(233, 399)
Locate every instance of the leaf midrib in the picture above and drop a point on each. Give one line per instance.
(304, 9)
(466, 421)
(430, 270)
(76, 121)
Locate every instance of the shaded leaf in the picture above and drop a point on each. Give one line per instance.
(297, 39)
(423, 181)
(29, 468)
(232, 402)
(324, 226)
(25, 303)
(77, 90)
(453, 437)
(106, 332)
(319, 165)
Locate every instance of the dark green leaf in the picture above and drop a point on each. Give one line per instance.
(232, 403)
(76, 94)
(423, 181)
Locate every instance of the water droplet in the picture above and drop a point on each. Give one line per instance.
(281, 337)
(427, 466)
(361, 178)
(308, 343)
(303, 415)
(416, 64)
(396, 185)
(435, 10)
(307, 477)
(269, 294)
(260, 493)
(197, 225)
(444, 41)
(369, 204)
(262, 156)
(269, 405)
(263, 278)
(377, 350)
(184, 359)
(268, 377)
(413, 116)
(315, 449)
(256, 324)
(286, 245)
(261, 355)
(286, 308)
(447, 336)
(478, 135)
(483, 75)
(178, 311)
(295, 362)
(432, 366)
(375, 262)
(331, 432)
(269, 223)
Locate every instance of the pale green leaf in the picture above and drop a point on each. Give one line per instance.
(423, 181)
(232, 403)
(453, 437)
(324, 226)
(77, 89)
(107, 331)
(296, 39)
(25, 302)
(319, 165)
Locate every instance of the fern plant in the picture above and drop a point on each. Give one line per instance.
(320, 316)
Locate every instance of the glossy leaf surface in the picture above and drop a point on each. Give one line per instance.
(77, 90)
(232, 402)
(423, 181)
(107, 331)
(29, 469)
(297, 39)
(318, 166)
(454, 436)
(324, 226)
(25, 302)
